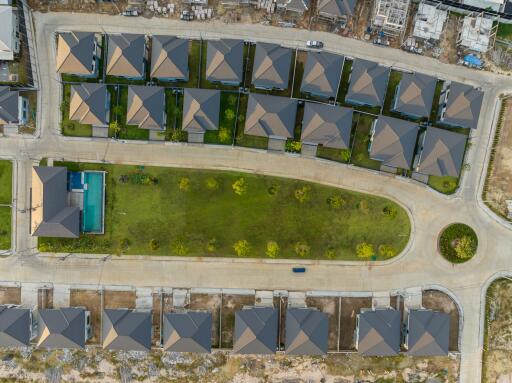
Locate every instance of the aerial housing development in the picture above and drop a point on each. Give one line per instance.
(254, 191)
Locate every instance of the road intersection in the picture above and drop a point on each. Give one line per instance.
(419, 265)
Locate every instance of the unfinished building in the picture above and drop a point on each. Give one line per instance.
(390, 16)
(429, 21)
(477, 33)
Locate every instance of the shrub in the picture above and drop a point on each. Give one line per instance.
(345, 155)
(229, 114)
(293, 146)
(390, 211)
(272, 249)
(365, 250)
(212, 184)
(211, 246)
(302, 249)
(302, 194)
(465, 247)
(387, 251)
(224, 135)
(180, 248)
(154, 245)
(114, 125)
(184, 184)
(240, 186)
(336, 201)
(124, 244)
(178, 135)
(242, 248)
(273, 189)
(330, 254)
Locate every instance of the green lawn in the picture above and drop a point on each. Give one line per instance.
(242, 139)
(227, 120)
(435, 102)
(5, 182)
(446, 184)
(504, 32)
(5, 227)
(451, 237)
(394, 79)
(5, 198)
(174, 107)
(338, 155)
(207, 218)
(360, 153)
(71, 128)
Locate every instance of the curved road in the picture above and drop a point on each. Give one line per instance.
(430, 211)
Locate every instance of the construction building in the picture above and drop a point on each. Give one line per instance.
(429, 21)
(390, 16)
(477, 33)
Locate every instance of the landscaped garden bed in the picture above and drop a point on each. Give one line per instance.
(458, 243)
(169, 211)
(5, 202)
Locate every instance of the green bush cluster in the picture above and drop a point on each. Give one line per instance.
(458, 243)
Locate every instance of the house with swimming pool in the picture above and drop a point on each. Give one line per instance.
(65, 204)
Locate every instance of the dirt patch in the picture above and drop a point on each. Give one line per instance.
(45, 298)
(91, 300)
(210, 303)
(10, 295)
(448, 40)
(439, 301)
(119, 299)
(362, 19)
(497, 357)
(330, 306)
(157, 317)
(350, 307)
(499, 178)
(230, 304)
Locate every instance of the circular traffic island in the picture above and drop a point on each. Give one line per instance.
(457, 243)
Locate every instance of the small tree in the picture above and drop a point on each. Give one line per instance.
(242, 248)
(302, 194)
(240, 186)
(224, 135)
(114, 126)
(180, 247)
(387, 251)
(390, 211)
(302, 249)
(154, 245)
(229, 114)
(273, 189)
(336, 201)
(212, 184)
(330, 254)
(184, 184)
(211, 246)
(465, 247)
(365, 250)
(272, 249)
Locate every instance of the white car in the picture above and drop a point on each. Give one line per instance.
(314, 44)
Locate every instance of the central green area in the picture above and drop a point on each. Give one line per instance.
(169, 211)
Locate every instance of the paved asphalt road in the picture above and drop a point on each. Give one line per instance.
(419, 265)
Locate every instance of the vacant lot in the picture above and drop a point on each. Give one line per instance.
(230, 305)
(439, 301)
(497, 356)
(191, 212)
(91, 300)
(329, 306)
(10, 295)
(499, 178)
(113, 299)
(350, 307)
(210, 303)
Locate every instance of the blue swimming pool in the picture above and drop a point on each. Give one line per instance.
(92, 216)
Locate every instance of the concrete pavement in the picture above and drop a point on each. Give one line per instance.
(430, 211)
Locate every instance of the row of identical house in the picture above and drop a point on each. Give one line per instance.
(397, 143)
(380, 332)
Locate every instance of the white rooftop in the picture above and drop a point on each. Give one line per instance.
(6, 33)
(429, 22)
(475, 33)
(495, 5)
(391, 14)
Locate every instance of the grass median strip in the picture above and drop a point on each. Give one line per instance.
(169, 211)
